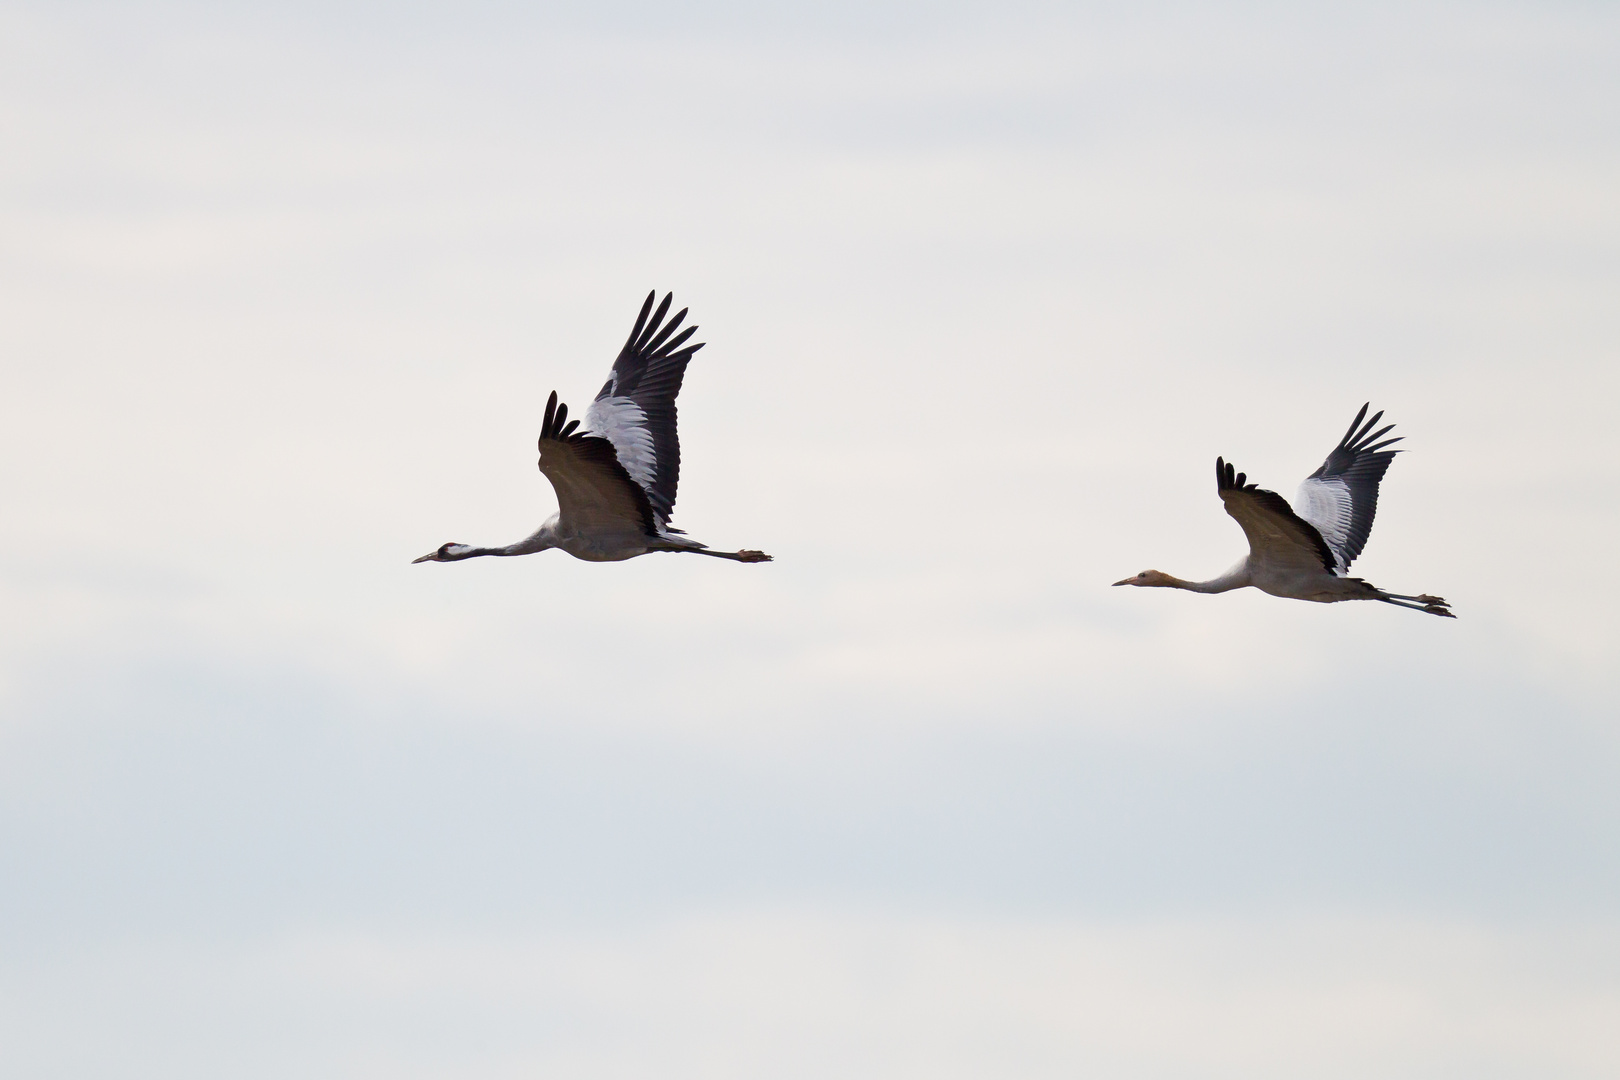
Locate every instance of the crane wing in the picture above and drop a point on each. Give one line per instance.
(635, 410)
(595, 495)
(1341, 497)
(1278, 537)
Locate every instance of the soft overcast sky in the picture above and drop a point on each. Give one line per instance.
(986, 288)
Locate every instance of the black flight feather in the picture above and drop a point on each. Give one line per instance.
(1359, 462)
(649, 371)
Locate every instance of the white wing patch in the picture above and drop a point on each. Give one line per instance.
(622, 423)
(1326, 504)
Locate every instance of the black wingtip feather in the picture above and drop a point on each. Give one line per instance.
(679, 339)
(641, 319)
(1355, 423)
(1379, 434)
(653, 323)
(657, 343)
(1368, 426)
(546, 425)
(1227, 478)
(1360, 436)
(556, 424)
(1359, 442)
(651, 340)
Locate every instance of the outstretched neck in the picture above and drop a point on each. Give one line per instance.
(458, 553)
(1235, 578)
(544, 537)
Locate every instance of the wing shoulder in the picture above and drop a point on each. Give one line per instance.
(594, 490)
(1275, 532)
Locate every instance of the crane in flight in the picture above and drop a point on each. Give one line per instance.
(1303, 554)
(615, 479)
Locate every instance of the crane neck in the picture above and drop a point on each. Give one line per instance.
(471, 553)
(544, 537)
(1235, 578)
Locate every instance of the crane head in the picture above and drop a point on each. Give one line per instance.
(445, 553)
(1148, 579)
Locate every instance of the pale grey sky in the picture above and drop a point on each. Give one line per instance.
(986, 288)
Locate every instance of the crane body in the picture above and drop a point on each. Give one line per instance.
(1303, 554)
(616, 479)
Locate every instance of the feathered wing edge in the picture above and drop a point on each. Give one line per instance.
(556, 427)
(649, 371)
(1357, 443)
(1227, 478)
(1359, 462)
(649, 340)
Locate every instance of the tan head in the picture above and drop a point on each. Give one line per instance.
(1150, 579)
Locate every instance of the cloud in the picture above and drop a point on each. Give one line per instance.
(853, 992)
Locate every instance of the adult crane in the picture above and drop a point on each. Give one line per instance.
(1303, 553)
(615, 479)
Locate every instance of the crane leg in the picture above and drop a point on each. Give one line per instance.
(735, 556)
(1424, 598)
(1431, 604)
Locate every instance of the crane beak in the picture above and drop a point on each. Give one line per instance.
(1127, 581)
(432, 556)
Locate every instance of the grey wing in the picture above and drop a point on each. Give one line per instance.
(1341, 497)
(1278, 537)
(595, 495)
(635, 409)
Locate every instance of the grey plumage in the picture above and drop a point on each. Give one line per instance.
(1301, 551)
(616, 479)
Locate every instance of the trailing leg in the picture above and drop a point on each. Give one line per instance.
(735, 556)
(1431, 604)
(1423, 598)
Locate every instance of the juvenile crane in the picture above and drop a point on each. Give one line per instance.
(615, 480)
(1303, 554)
